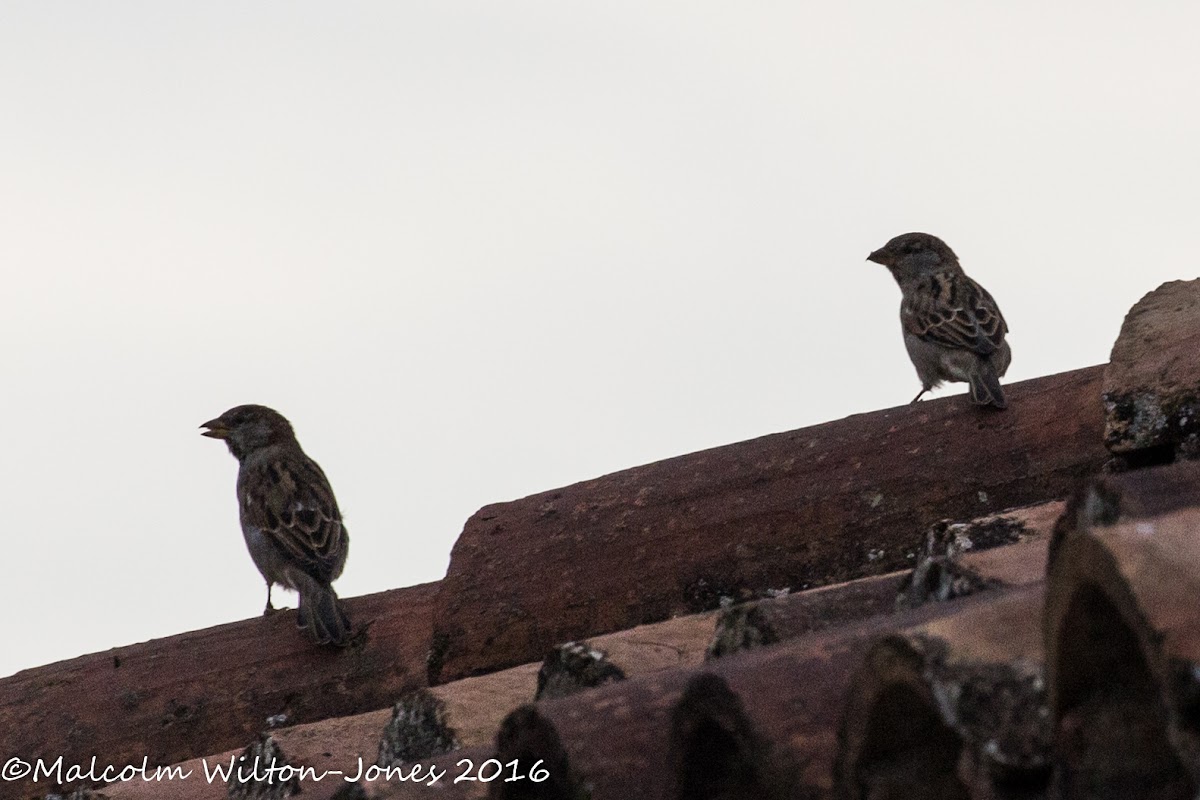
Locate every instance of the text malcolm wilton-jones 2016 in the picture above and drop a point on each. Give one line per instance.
(243, 771)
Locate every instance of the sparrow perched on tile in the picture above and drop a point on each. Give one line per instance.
(289, 516)
(953, 329)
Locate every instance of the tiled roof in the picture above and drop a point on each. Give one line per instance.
(894, 605)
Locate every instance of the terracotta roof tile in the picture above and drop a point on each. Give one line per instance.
(807, 508)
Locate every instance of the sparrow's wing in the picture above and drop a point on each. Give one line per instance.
(289, 499)
(954, 311)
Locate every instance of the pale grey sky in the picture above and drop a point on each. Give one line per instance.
(476, 250)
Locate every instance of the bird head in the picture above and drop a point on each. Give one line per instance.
(911, 255)
(249, 428)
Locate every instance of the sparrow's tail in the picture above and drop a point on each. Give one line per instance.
(985, 385)
(321, 612)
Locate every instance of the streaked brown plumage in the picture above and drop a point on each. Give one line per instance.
(953, 329)
(289, 516)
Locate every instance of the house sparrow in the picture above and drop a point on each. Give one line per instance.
(953, 328)
(290, 519)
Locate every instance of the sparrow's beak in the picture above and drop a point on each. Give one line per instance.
(216, 429)
(878, 257)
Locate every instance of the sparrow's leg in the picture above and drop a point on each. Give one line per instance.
(918, 397)
(269, 607)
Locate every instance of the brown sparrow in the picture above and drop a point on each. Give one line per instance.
(953, 329)
(290, 519)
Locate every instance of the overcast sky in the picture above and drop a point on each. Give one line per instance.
(477, 250)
